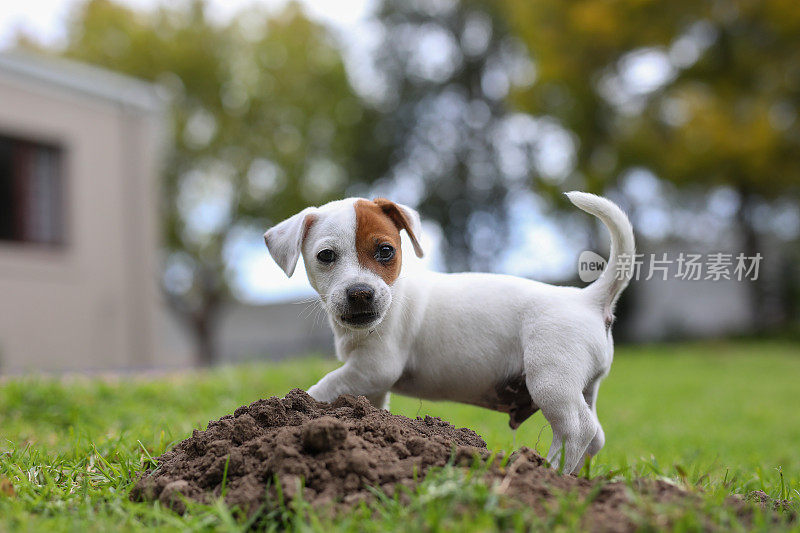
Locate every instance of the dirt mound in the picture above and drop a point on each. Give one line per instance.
(338, 449)
(336, 452)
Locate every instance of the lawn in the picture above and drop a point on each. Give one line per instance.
(723, 417)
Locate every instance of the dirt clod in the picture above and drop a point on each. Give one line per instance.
(336, 452)
(765, 502)
(323, 434)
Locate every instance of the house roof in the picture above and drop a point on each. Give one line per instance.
(81, 78)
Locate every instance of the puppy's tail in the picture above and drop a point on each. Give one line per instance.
(619, 270)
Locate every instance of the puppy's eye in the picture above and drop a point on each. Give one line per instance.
(326, 256)
(384, 253)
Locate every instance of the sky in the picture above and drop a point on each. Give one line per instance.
(45, 19)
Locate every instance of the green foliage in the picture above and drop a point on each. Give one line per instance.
(572, 46)
(262, 87)
(724, 111)
(730, 118)
(726, 114)
(447, 67)
(717, 416)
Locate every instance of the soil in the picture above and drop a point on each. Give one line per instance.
(340, 452)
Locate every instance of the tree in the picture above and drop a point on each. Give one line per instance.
(576, 47)
(729, 118)
(264, 122)
(445, 70)
(722, 111)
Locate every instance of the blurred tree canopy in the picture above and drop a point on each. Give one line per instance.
(701, 93)
(446, 70)
(443, 113)
(719, 110)
(264, 122)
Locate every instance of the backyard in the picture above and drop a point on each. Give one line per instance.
(719, 417)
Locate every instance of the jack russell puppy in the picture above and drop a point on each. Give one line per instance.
(501, 342)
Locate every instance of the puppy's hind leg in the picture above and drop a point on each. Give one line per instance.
(599, 439)
(563, 405)
(590, 395)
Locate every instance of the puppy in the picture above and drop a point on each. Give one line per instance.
(501, 342)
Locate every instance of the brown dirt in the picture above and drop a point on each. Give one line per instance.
(336, 452)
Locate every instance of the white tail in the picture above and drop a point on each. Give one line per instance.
(617, 273)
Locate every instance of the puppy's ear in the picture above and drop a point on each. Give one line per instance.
(285, 240)
(404, 218)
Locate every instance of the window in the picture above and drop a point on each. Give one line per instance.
(31, 192)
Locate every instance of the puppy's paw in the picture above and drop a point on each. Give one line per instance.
(319, 394)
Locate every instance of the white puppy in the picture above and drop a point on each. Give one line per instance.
(501, 342)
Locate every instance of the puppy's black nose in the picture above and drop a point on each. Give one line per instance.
(360, 294)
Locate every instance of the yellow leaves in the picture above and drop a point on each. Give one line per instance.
(734, 127)
(597, 20)
(783, 16)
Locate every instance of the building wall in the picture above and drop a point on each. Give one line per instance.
(274, 331)
(250, 332)
(673, 309)
(91, 303)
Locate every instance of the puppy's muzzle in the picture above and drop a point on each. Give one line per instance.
(360, 305)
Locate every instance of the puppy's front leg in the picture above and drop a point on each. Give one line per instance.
(381, 401)
(359, 376)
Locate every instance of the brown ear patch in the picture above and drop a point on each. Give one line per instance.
(400, 220)
(375, 227)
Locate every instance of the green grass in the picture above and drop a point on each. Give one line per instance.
(724, 417)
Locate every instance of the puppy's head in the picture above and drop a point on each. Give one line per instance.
(351, 250)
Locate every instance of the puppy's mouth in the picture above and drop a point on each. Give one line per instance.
(360, 319)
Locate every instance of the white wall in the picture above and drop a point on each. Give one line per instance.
(92, 303)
